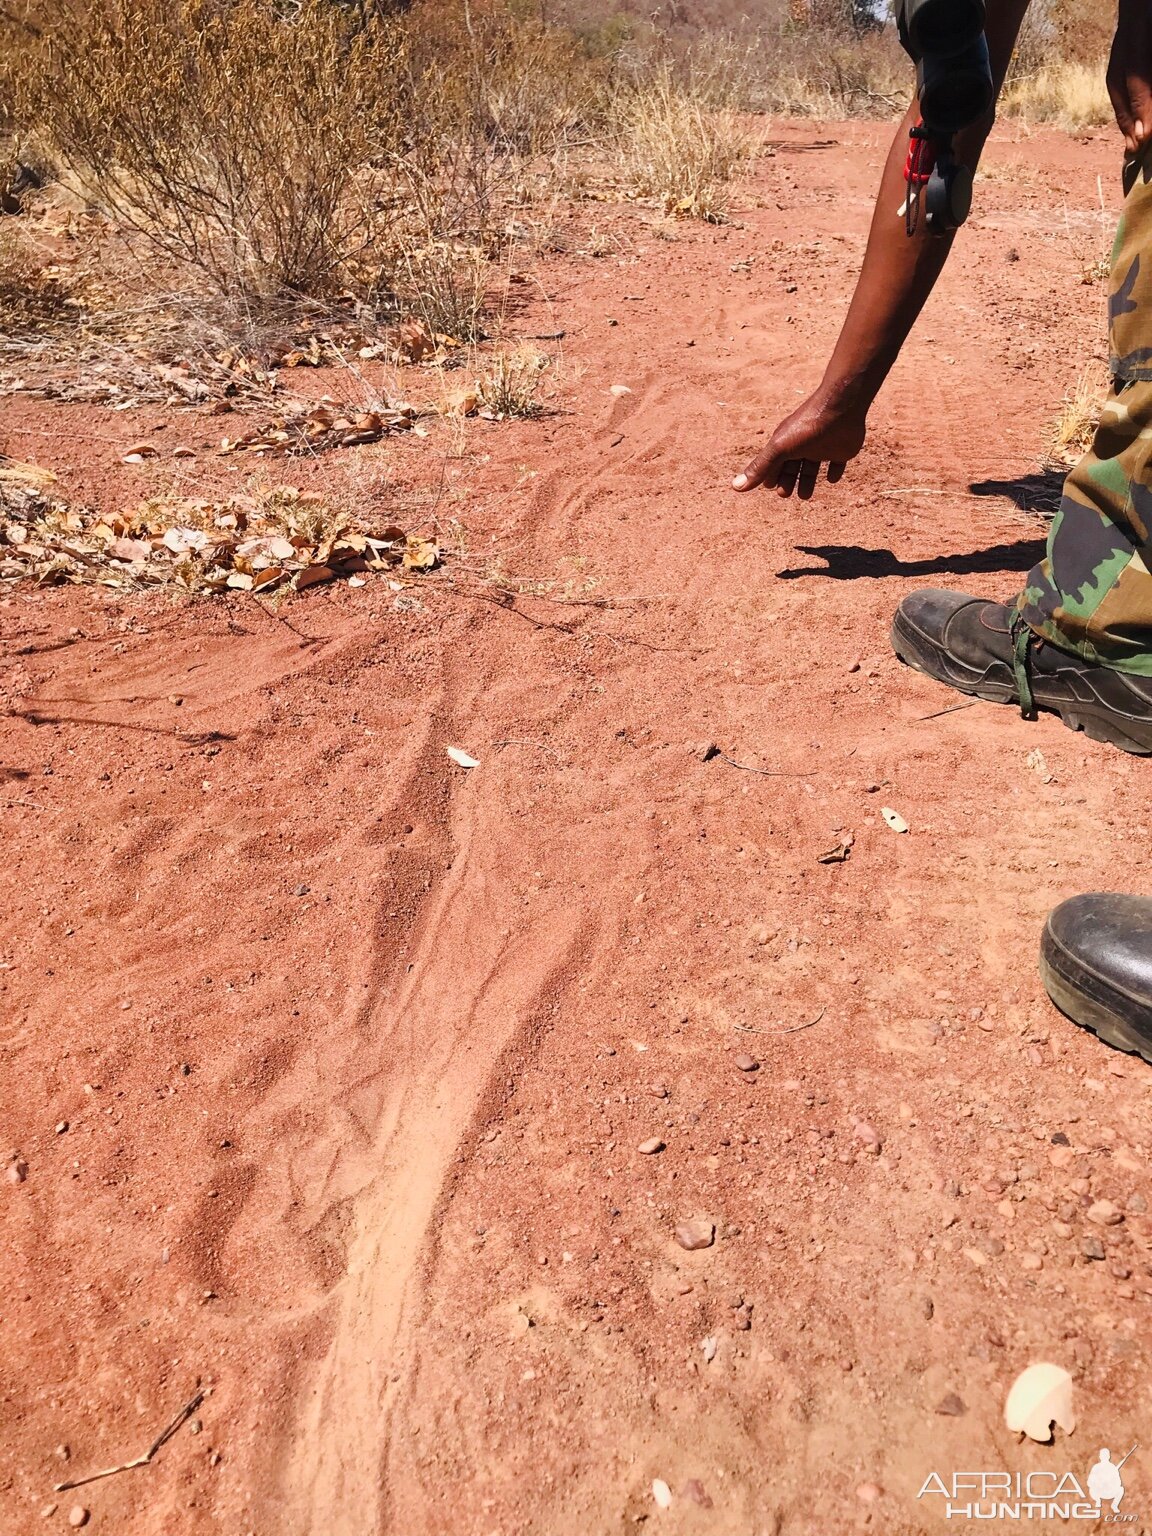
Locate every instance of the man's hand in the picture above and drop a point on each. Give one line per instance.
(1130, 73)
(817, 433)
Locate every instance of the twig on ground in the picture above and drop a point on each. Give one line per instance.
(161, 1439)
(770, 773)
(791, 1029)
(951, 710)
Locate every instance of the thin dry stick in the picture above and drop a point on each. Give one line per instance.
(951, 710)
(162, 1438)
(770, 773)
(791, 1029)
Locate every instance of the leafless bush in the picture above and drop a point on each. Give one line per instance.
(227, 135)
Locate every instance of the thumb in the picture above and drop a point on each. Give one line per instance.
(763, 470)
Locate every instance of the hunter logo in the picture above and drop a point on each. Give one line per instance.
(1034, 1495)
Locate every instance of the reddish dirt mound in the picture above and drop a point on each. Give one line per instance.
(329, 1061)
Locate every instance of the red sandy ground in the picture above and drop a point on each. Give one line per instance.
(355, 1047)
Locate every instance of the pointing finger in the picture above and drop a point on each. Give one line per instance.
(786, 479)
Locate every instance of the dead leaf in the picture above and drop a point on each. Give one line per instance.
(140, 452)
(130, 550)
(1040, 1397)
(839, 853)
(420, 554)
(462, 402)
(893, 819)
(313, 575)
(461, 757)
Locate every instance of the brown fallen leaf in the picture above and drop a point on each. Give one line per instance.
(839, 853)
(313, 575)
(462, 402)
(420, 554)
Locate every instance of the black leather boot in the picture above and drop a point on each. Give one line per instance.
(986, 649)
(1096, 961)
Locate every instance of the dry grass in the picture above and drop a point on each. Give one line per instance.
(33, 296)
(509, 388)
(1074, 428)
(1067, 94)
(675, 147)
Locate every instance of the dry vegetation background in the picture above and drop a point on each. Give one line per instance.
(260, 149)
(196, 194)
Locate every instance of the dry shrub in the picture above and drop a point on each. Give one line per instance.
(305, 148)
(33, 296)
(228, 135)
(510, 386)
(828, 74)
(676, 147)
(444, 286)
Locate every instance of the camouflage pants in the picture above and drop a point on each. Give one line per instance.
(1092, 593)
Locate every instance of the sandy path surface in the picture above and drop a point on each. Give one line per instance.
(329, 1060)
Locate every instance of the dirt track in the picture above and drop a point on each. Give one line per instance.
(355, 1048)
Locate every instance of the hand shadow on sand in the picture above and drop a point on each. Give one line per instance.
(847, 562)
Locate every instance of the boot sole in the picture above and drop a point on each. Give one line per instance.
(1088, 1001)
(1100, 723)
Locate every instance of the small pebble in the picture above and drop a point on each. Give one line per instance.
(708, 1348)
(653, 1144)
(695, 1234)
(1092, 1248)
(661, 1493)
(867, 1134)
(48, 1511)
(868, 1493)
(77, 1515)
(747, 1063)
(61, 1127)
(951, 1406)
(693, 1491)
(63, 1452)
(17, 1172)
(658, 1091)
(1031, 1261)
(1104, 1214)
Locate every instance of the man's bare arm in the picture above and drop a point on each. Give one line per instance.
(898, 274)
